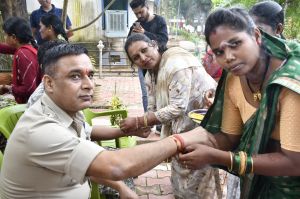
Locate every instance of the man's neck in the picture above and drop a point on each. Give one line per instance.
(151, 17)
(47, 8)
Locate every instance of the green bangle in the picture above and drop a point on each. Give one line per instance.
(236, 163)
(249, 167)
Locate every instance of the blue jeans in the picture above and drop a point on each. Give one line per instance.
(143, 88)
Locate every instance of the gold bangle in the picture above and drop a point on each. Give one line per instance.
(145, 119)
(245, 163)
(243, 158)
(231, 161)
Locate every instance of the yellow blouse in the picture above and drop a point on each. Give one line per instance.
(237, 111)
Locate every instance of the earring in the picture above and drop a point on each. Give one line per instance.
(49, 30)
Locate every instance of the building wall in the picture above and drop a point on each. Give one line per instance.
(81, 12)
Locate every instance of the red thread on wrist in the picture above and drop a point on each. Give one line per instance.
(180, 139)
(177, 142)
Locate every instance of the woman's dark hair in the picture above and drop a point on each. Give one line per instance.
(43, 49)
(236, 18)
(269, 13)
(141, 37)
(20, 28)
(51, 20)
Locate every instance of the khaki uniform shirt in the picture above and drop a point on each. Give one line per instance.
(46, 157)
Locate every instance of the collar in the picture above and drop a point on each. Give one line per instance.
(50, 11)
(52, 110)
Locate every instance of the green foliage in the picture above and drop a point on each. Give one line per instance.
(5, 60)
(116, 104)
(4, 101)
(193, 37)
(292, 13)
(188, 9)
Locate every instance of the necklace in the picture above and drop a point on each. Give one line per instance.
(257, 94)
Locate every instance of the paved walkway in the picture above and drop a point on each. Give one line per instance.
(154, 184)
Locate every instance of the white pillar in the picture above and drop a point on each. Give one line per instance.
(100, 46)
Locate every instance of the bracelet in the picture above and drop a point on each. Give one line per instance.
(136, 123)
(145, 119)
(243, 158)
(180, 139)
(249, 168)
(231, 161)
(236, 163)
(178, 144)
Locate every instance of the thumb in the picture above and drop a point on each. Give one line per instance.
(190, 148)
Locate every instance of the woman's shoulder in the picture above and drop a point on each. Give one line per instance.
(232, 80)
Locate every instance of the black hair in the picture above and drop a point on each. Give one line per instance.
(141, 37)
(136, 3)
(269, 13)
(236, 18)
(20, 28)
(53, 55)
(44, 47)
(51, 20)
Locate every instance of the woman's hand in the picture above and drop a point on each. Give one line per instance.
(129, 124)
(141, 132)
(5, 89)
(198, 136)
(126, 193)
(209, 97)
(196, 156)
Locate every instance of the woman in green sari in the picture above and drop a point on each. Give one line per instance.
(254, 116)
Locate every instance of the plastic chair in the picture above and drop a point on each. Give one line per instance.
(89, 114)
(122, 142)
(9, 118)
(1, 159)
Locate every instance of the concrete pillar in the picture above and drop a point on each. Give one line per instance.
(100, 46)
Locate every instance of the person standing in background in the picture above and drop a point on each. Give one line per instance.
(268, 16)
(35, 17)
(26, 74)
(154, 27)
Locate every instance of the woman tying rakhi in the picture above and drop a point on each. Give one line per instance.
(176, 83)
(255, 113)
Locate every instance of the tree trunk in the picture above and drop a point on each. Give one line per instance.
(10, 8)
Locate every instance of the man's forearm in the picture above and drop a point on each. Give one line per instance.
(105, 133)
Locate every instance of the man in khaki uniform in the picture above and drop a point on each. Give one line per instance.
(50, 153)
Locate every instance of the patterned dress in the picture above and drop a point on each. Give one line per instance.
(176, 89)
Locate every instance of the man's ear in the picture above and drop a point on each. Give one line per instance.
(48, 83)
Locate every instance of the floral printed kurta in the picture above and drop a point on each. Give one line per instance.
(176, 89)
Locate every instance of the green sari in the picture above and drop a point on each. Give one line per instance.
(258, 129)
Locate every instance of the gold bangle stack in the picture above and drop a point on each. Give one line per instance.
(240, 163)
